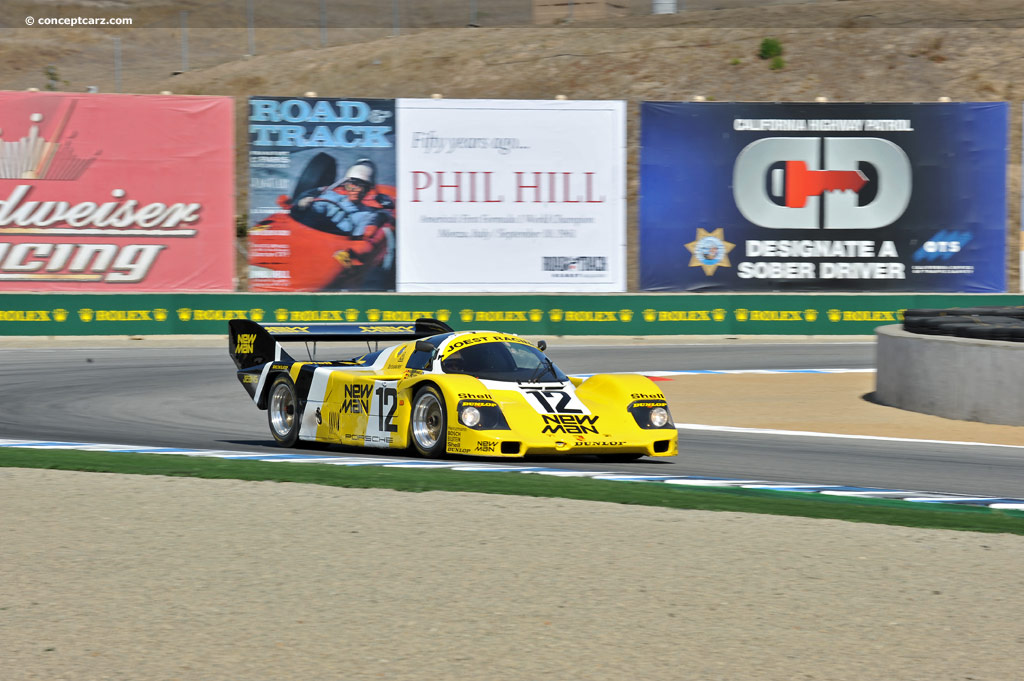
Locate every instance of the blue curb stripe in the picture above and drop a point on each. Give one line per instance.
(918, 496)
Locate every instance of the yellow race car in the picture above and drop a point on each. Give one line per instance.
(440, 392)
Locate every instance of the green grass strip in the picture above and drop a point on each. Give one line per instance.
(808, 505)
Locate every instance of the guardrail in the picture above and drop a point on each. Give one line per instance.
(628, 314)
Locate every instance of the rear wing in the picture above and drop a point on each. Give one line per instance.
(252, 344)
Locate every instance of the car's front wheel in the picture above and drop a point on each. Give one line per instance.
(429, 422)
(283, 411)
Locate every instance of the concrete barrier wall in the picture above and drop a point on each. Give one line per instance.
(957, 378)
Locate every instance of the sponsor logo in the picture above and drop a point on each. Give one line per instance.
(745, 315)
(583, 263)
(88, 314)
(25, 315)
(387, 329)
(585, 443)
(371, 439)
(570, 423)
(488, 338)
(484, 446)
(942, 246)
(863, 315)
(820, 183)
(319, 416)
(647, 396)
(558, 315)
(357, 399)
(42, 262)
(287, 329)
(710, 250)
(253, 378)
(473, 396)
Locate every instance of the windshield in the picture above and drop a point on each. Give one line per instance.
(502, 361)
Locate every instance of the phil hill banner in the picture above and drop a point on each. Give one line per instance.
(116, 192)
(321, 194)
(511, 195)
(823, 197)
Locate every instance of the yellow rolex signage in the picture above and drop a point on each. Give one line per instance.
(538, 313)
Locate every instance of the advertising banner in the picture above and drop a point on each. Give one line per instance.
(537, 314)
(823, 197)
(511, 195)
(321, 194)
(116, 192)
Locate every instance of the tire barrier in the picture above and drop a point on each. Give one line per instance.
(992, 323)
(955, 365)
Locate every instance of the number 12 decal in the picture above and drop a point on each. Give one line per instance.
(385, 421)
(562, 406)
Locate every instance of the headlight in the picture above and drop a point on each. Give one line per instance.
(651, 413)
(481, 414)
(470, 416)
(659, 417)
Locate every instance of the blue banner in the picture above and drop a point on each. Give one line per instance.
(823, 197)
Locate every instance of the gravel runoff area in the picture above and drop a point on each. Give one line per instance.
(112, 577)
(146, 578)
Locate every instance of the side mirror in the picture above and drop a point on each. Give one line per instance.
(542, 345)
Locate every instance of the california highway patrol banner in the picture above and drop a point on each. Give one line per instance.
(823, 197)
(322, 204)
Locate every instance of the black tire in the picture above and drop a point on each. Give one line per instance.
(428, 424)
(283, 413)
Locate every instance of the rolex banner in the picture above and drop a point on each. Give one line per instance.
(823, 197)
(123, 193)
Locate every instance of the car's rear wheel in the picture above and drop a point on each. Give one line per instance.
(283, 411)
(429, 422)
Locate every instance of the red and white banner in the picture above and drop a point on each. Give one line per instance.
(116, 192)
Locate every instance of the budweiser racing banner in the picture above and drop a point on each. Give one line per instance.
(823, 197)
(322, 197)
(511, 195)
(116, 192)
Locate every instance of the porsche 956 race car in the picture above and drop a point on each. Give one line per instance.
(439, 391)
